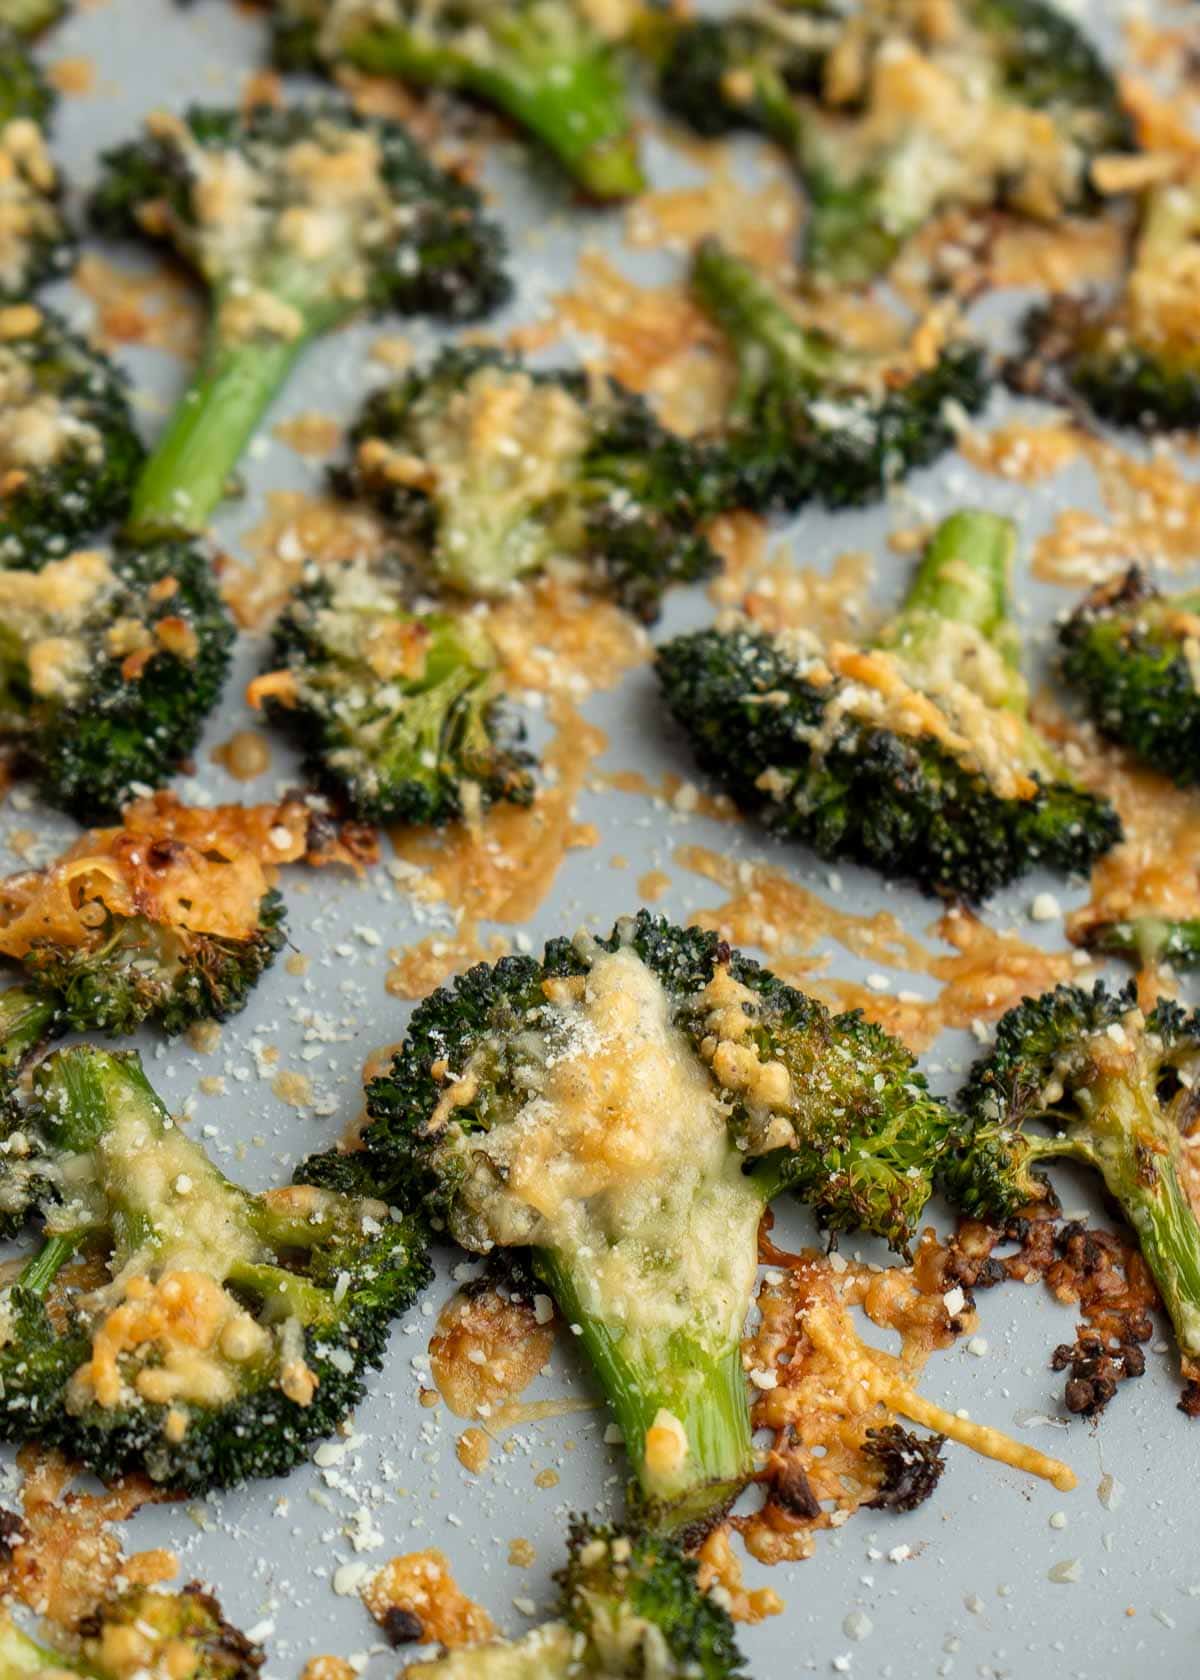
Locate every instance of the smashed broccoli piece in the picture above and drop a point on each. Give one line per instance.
(69, 451)
(628, 1603)
(296, 220)
(1115, 1087)
(489, 470)
(915, 754)
(231, 1331)
(35, 242)
(892, 114)
(109, 665)
(813, 418)
(624, 1110)
(549, 65)
(28, 18)
(398, 710)
(138, 1635)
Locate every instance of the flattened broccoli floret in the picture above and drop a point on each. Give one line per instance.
(1116, 1088)
(68, 448)
(109, 665)
(813, 418)
(231, 1331)
(892, 113)
(296, 220)
(398, 710)
(628, 1603)
(549, 65)
(35, 243)
(29, 17)
(138, 1635)
(915, 754)
(1134, 361)
(624, 1109)
(490, 471)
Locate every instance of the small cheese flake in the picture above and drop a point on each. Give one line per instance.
(1066, 1573)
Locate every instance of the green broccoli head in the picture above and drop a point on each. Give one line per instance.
(489, 471)
(398, 710)
(548, 65)
(27, 18)
(1128, 651)
(1133, 360)
(1114, 1085)
(891, 116)
(914, 755)
(230, 1330)
(69, 451)
(814, 419)
(624, 1109)
(109, 665)
(138, 1632)
(296, 220)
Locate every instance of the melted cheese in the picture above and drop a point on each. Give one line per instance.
(49, 611)
(27, 213)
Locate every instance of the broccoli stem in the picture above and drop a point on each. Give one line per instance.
(702, 1388)
(20, 1655)
(963, 578)
(188, 473)
(40, 1271)
(1148, 939)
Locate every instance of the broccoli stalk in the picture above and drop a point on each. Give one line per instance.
(625, 1109)
(296, 220)
(233, 1329)
(628, 1603)
(544, 63)
(1115, 1087)
(139, 1631)
(814, 418)
(914, 754)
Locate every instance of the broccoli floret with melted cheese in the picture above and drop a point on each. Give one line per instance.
(892, 113)
(551, 66)
(398, 710)
(1133, 360)
(30, 17)
(628, 1603)
(109, 665)
(488, 471)
(814, 418)
(35, 242)
(228, 1331)
(623, 1110)
(1115, 1088)
(296, 220)
(914, 754)
(26, 1019)
(69, 451)
(138, 1634)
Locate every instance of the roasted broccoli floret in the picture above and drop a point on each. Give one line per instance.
(69, 452)
(891, 114)
(296, 220)
(813, 418)
(488, 471)
(628, 1604)
(549, 65)
(138, 1633)
(35, 243)
(624, 1110)
(109, 664)
(914, 754)
(1115, 1087)
(26, 1018)
(1133, 360)
(398, 710)
(172, 917)
(29, 17)
(1130, 652)
(231, 1331)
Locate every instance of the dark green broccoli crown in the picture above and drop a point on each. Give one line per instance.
(617, 1582)
(397, 710)
(1151, 383)
(1126, 653)
(536, 465)
(157, 1620)
(1046, 61)
(69, 451)
(717, 76)
(813, 419)
(405, 236)
(276, 1304)
(900, 803)
(24, 91)
(29, 17)
(149, 645)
